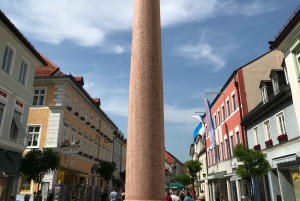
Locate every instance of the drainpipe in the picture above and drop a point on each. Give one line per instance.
(236, 84)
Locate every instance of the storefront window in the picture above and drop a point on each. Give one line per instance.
(296, 183)
(234, 191)
(25, 185)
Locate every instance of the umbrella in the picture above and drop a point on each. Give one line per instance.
(176, 185)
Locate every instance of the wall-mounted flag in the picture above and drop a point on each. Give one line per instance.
(210, 124)
(200, 129)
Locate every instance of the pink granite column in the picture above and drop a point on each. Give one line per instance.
(145, 171)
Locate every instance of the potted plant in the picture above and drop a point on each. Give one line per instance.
(88, 123)
(98, 130)
(282, 138)
(269, 143)
(85, 155)
(80, 152)
(76, 113)
(256, 147)
(91, 157)
(69, 108)
(96, 159)
(82, 118)
(92, 126)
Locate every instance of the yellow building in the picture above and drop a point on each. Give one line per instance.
(63, 112)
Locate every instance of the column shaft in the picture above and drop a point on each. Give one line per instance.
(145, 170)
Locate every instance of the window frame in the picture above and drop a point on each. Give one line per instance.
(81, 111)
(73, 134)
(34, 133)
(23, 74)
(75, 105)
(68, 99)
(264, 94)
(222, 151)
(223, 112)
(38, 100)
(2, 113)
(233, 100)
(278, 123)
(9, 68)
(65, 132)
(238, 139)
(275, 84)
(231, 144)
(14, 125)
(227, 148)
(255, 135)
(87, 116)
(268, 134)
(219, 117)
(228, 108)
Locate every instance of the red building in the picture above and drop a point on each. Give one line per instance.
(239, 95)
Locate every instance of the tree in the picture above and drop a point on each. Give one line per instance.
(106, 170)
(194, 167)
(123, 175)
(36, 163)
(255, 164)
(184, 179)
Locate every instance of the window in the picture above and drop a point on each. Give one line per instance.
(81, 111)
(275, 84)
(233, 102)
(15, 125)
(96, 124)
(264, 94)
(219, 118)
(223, 113)
(25, 185)
(33, 135)
(79, 139)
(298, 58)
(95, 150)
(228, 108)
(232, 145)
(237, 133)
(286, 74)
(87, 116)
(91, 147)
(222, 152)
(68, 100)
(281, 124)
(23, 72)
(227, 148)
(267, 130)
(255, 135)
(75, 106)
(215, 121)
(39, 97)
(1, 112)
(7, 59)
(92, 120)
(65, 132)
(85, 145)
(73, 135)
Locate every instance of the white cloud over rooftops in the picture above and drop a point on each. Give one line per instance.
(89, 23)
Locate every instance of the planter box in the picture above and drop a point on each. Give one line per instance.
(82, 118)
(69, 108)
(76, 113)
(93, 127)
(88, 123)
(98, 130)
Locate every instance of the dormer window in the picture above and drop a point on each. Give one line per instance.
(275, 84)
(264, 94)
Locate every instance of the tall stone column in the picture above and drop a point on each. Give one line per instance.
(145, 171)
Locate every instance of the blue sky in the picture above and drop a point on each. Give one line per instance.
(202, 42)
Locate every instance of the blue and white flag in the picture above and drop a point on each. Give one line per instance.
(210, 124)
(200, 129)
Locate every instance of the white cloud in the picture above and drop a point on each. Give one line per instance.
(89, 23)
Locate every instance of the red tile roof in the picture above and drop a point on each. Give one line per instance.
(169, 158)
(50, 69)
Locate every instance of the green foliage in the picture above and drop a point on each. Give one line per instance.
(106, 170)
(255, 162)
(36, 163)
(123, 175)
(184, 179)
(194, 167)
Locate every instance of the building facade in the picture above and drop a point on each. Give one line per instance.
(64, 114)
(119, 143)
(18, 63)
(272, 127)
(239, 95)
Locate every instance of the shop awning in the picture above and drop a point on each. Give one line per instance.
(235, 177)
(217, 175)
(284, 159)
(10, 162)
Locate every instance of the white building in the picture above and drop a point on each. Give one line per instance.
(18, 60)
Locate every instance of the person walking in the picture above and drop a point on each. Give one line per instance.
(168, 197)
(114, 195)
(12, 198)
(217, 194)
(123, 195)
(201, 196)
(26, 197)
(188, 197)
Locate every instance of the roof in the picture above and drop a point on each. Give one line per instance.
(170, 158)
(49, 69)
(287, 27)
(53, 71)
(21, 37)
(233, 75)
